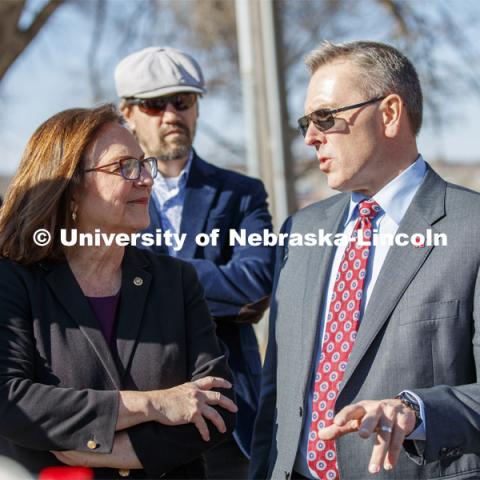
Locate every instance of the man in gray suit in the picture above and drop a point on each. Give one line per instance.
(371, 366)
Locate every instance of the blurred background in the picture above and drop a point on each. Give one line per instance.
(58, 54)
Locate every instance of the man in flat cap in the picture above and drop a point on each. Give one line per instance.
(160, 90)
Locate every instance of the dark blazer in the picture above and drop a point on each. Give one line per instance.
(237, 280)
(420, 331)
(59, 381)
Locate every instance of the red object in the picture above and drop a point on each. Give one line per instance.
(66, 473)
(340, 333)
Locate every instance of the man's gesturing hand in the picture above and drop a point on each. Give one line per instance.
(190, 403)
(389, 420)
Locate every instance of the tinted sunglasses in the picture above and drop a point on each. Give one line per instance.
(129, 168)
(324, 119)
(155, 106)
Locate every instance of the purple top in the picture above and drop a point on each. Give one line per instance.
(105, 309)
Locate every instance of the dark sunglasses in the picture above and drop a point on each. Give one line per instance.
(129, 168)
(324, 119)
(155, 106)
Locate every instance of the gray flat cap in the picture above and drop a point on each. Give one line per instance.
(156, 71)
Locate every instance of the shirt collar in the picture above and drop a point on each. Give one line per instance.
(182, 177)
(182, 180)
(396, 196)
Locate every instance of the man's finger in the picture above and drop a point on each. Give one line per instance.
(334, 431)
(398, 436)
(396, 441)
(371, 420)
(385, 423)
(350, 412)
(381, 447)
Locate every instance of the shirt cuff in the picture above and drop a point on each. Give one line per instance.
(420, 432)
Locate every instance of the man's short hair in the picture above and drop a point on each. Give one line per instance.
(385, 70)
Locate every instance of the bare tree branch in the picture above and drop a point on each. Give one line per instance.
(466, 52)
(13, 40)
(235, 149)
(396, 10)
(93, 73)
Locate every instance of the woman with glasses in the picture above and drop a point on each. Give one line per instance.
(108, 356)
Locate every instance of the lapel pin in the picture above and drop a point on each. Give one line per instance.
(138, 281)
(419, 241)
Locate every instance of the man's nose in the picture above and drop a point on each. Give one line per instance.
(170, 109)
(314, 136)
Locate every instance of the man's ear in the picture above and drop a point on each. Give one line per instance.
(393, 111)
(127, 112)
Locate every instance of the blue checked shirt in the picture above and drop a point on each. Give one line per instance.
(169, 196)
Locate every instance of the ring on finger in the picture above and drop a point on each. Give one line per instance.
(385, 428)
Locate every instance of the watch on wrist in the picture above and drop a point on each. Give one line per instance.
(412, 404)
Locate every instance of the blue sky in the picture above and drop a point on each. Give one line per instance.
(51, 75)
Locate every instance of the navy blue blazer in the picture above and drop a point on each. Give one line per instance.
(237, 279)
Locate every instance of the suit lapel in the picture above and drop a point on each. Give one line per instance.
(317, 276)
(136, 280)
(400, 266)
(200, 192)
(155, 223)
(69, 294)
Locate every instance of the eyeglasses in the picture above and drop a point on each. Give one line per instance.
(129, 168)
(155, 106)
(324, 119)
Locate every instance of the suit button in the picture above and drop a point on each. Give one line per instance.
(124, 472)
(92, 444)
(138, 281)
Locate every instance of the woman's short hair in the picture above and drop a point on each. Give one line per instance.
(40, 194)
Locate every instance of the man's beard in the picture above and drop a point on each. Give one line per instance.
(179, 148)
(175, 153)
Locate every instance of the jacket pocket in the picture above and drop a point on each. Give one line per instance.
(428, 312)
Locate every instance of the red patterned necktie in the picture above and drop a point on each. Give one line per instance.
(340, 333)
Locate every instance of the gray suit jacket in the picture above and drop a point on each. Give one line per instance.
(420, 331)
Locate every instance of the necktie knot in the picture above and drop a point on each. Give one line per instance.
(369, 209)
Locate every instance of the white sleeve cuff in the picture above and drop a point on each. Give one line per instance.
(420, 433)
